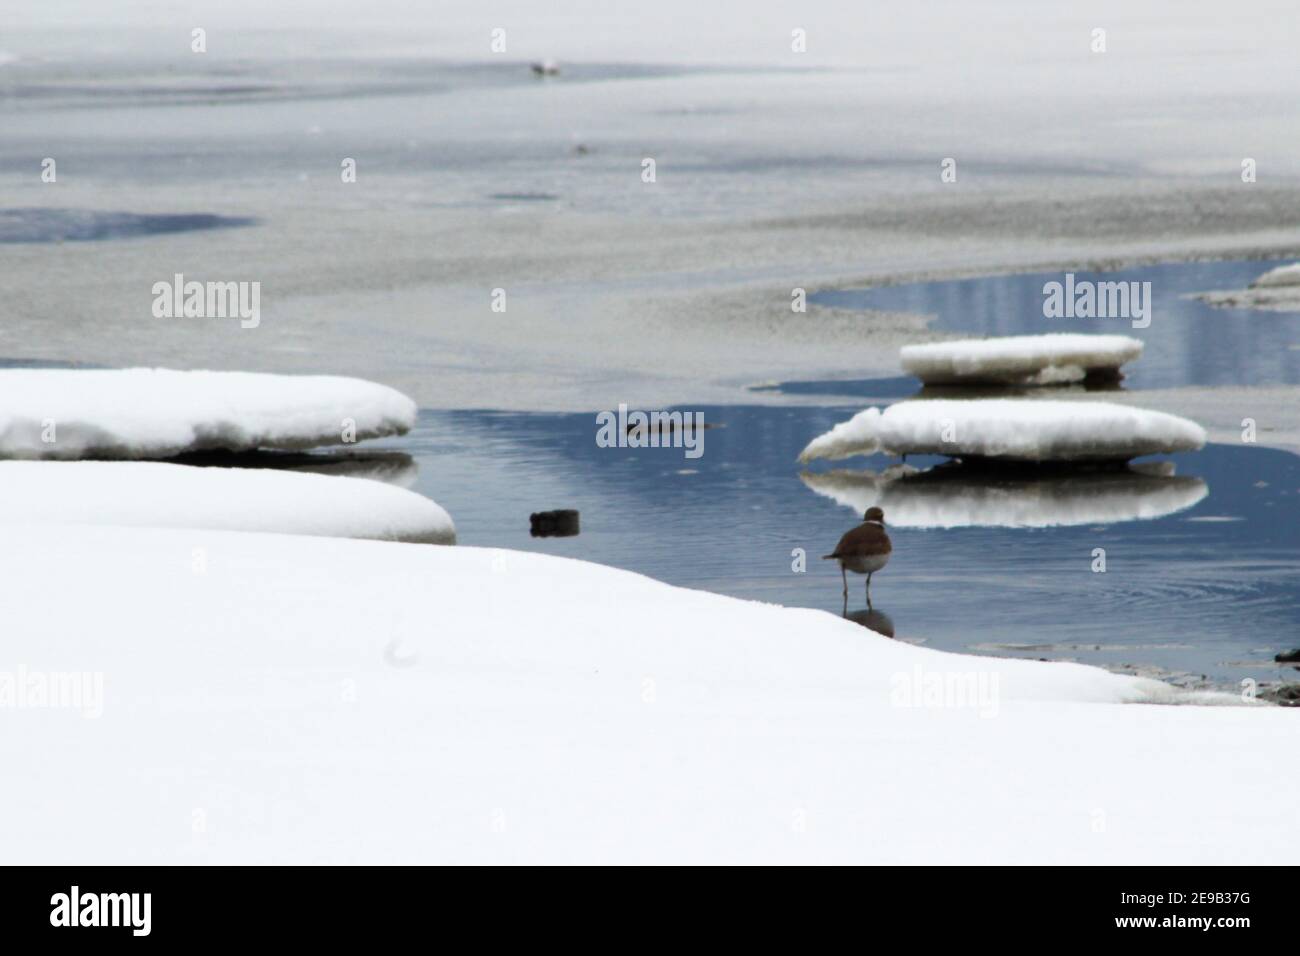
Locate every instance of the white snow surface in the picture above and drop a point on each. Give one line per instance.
(1018, 359)
(911, 501)
(1281, 276)
(157, 413)
(161, 495)
(1022, 430)
(860, 435)
(323, 700)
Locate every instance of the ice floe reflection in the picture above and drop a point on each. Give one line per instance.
(873, 619)
(960, 497)
(391, 467)
(1247, 345)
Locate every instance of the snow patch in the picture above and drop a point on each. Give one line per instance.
(159, 413)
(159, 495)
(860, 435)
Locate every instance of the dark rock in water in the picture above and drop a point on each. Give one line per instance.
(1289, 657)
(554, 524)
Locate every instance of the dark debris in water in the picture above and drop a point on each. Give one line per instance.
(553, 524)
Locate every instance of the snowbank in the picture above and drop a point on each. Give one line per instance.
(1019, 359)
(158, 495)
(158, 413)
(925, 499)
(1021, 430)
(322, 700)
(1279, 277)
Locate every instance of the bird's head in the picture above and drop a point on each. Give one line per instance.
(874, 514)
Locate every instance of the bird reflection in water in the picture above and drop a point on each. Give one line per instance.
(872, 619)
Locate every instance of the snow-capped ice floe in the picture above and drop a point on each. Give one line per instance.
(860, 435)
(158, 413)
(1020, 359)
(1279, 277)
(1009, 429)
(481, 705)
(160, 495)
(952, 498)
(1277, 290)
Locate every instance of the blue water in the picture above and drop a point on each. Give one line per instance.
(1187, 343)
(1214, 598)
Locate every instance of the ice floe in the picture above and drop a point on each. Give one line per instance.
(1277, 290)
(158, 413)
(1279, 277)
(1020, 359)
(507, 706)
(157, 494)
(1009, 429)
(860, 435)
(957, 498)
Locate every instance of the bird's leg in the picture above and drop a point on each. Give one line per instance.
(845, 575)
(868, 590)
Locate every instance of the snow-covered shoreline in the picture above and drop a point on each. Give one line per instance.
(377, 702)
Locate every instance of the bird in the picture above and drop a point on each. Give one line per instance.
(864, 550)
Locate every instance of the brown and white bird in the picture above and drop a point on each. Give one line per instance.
(864, 550)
